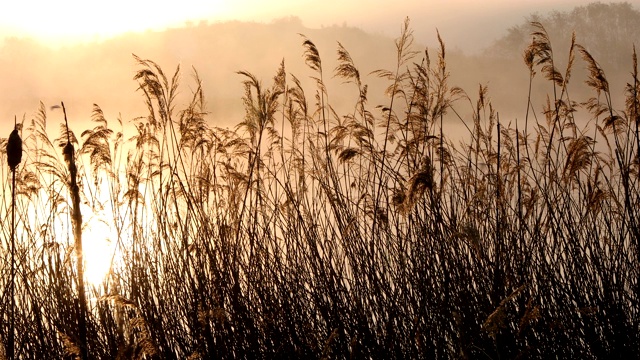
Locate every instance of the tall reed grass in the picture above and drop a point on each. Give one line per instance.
(308, 233)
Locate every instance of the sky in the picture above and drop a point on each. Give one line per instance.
(468, 24)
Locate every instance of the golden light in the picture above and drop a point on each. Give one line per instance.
(76, 20)
(99, 246)
(99, 243)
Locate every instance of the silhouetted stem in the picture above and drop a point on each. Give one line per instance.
(76, 219)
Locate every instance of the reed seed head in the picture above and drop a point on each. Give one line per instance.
(14, 149)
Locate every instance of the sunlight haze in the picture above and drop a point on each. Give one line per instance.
(72, 20)
(464, 23)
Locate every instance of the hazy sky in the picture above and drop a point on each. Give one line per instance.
(462, 23)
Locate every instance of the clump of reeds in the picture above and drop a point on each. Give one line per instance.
(311, 231)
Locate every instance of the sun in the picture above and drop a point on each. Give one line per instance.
(75, 20)
(100, 250)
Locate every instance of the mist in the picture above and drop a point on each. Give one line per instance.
(101, 72)
(458, 183)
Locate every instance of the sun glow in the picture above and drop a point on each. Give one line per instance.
(99, 247)
(101, 253)
(74, 20)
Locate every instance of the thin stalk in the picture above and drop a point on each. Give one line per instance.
(11, 349)
(14, 156)
(520, 241)
(498, 244)
(76, 219)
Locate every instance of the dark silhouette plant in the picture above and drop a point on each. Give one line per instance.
(309, 231)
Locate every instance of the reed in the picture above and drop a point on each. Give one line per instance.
(14, 157)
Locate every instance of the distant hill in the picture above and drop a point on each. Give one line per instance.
(608, 31)
(103, 72)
